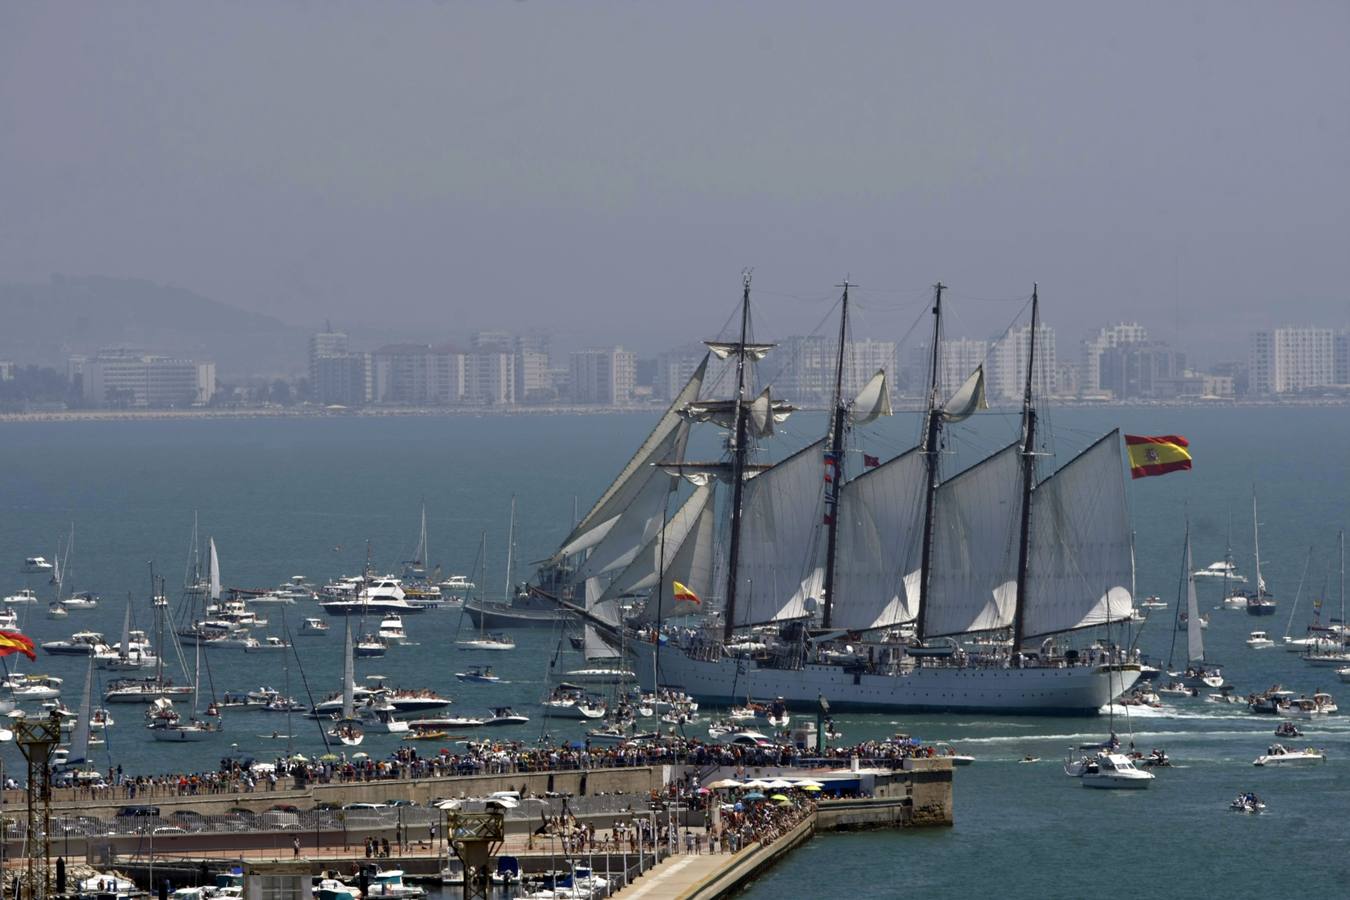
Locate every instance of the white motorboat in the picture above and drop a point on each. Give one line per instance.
(1108, 770)
(492, 642)
(270, 598)
(32, 687)
(504, 715)
(479, 675)
(388, 885)
(381, 718)
(143, 690)
(1259, 640)
(600, 675)
(370, 646)
(391, 629)
(1312, 644)
(57, 611)
(1344, 674)
(9, 619)
(36, 564)
(314, 627)
(81, 643)
(1326, 705)
(267, 644)
(1153, 602)
(457, 584)
(24, 596)
(1248, 803)
(1277, 755)
(1223, 569)
(348, 733)
(1270, 701)
(81, 600)
(380, 595)
(1235, 601)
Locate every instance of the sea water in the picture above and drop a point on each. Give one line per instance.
(318, 497)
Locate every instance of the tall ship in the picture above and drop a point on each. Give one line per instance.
(894, 589)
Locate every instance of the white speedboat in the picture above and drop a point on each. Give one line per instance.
(348, 733)
(391, 629)
(504, 715)
(1259, 640)
(9, 619)
(1313, 643)
(1277, 755)
(32, 687)
(81, 600)
(267, 644)
(35, 564)
(479, 675)
(457, 584)
(1108, 770)
(370, 647)
(388, 885)
(1248, 803)
(1344, 674)
(57, 611)
(493, 642)
(81, 643)
(1221, 570)
(314, 627)
(1153, 603)
(381, 719)
(24, 596)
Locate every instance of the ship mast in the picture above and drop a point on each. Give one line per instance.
(834, 464)
(1028, 477)
(931, 449)
(739, 451)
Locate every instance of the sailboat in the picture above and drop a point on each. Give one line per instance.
(148, 690)
(417, 587)
(1259, 603)
(1198, 672)
(485, 640)
(347, 730)
(989, 550)
(80, 739)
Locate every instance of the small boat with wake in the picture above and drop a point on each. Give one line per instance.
(1278, 755)
(1247, 803)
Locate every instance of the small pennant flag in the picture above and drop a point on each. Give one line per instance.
(14, 642)
(829, 519)
(1157, 455)
(683, 593)
(870, 461)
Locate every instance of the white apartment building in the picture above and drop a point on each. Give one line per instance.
(1093, 347)
(129, 378)
(1288, 360)
(1006, 373)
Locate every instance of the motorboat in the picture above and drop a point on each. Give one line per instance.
(267, 644)
(314, 627)
(1247, 803)
(1156, 759)
(1141, 696)
(570, 702)
(391, 629)
(479, 675)
(389, 884)
(1259, 640)
(1153, 602)
(32, 687)
(24, 596)
(1224, 569)
(1108, 770)
(143, 690)
(9, 619)
(1236, 600)
(493, 642)
(403, 700)
(57, 611)
(270, 597)
(947, 751)
(1270, 701)
(1344, 673)
(1200, 675)
(504, 715)
(81, 600)
(1288, 729)
(1278, 755)
(349, 733)
(600, 675)
(381, 718)
(370, 646)
(332, 889)
(1183, 620)
(81, 643)
(379, 595)
(457, 584)
(33, 565)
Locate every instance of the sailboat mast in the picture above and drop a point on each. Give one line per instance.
(834, 464)
(931, 449)
(510, 545)
(1256, 547)
(1028, 476)
(739, 451)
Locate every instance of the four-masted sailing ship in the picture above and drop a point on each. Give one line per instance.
(897, 588)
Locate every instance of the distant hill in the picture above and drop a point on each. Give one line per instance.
(45, 323)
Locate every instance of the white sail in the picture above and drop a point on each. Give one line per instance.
(125, 649)
(972, 585)
(689, 558)
(781, 515)
(215, 571)
(1195, 637)
(666, 442)
(640, 574)
(765, 412)
(880, 542)
(873, 401)
(348, 674)
(79, 737)
(633, 528)
(968, 399)
(1078, 568)
(594, 647)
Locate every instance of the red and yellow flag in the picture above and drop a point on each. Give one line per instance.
(683, 593)
(1157, 455)
(14, 642)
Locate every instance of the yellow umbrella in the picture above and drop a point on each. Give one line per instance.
(780, 798)
(810, 787)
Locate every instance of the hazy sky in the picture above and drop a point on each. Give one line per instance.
(611, 167)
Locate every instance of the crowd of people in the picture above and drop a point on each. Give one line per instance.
(240, 774)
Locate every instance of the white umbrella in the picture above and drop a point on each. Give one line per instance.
(756, 784)
(809, 782)
(778, 784)
(725, 783)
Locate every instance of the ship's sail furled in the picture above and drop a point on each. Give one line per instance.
(880, 524)
(973, 581)
(1078, 572)
(665, 443)
(781, 513)
(1195, 638)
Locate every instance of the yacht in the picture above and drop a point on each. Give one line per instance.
(36, 564)
(370, 646)
(1259, 640)
(479, 675)
(32, 687)
(404, 701)
(143, 690)
(1270, 701)
(388, 885)
(379, 595)
(266, 645)
(81, 643)
(457, 584)
(381, 718)
(1223, 569)
(314, 627)
(570, 703)
(81, 600)
(1153, 602)
(494, 642)
(391, 629)
(1108, 770)
(57, 611)
(504, 715)
(8, 618)
(1277, 755)
(24, 596)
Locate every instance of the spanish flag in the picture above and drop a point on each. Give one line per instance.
(1157, 455)
(681, 593)
(14, 642)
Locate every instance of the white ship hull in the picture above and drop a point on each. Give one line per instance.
(1072, 690)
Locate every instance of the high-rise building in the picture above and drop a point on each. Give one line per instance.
(490, 378)
(604, 376)
(1090, 381)
(1144, 370)
(417, 374)
(343, 379)
(1006, 374)
(674, 368)
(322, 344)
(1289, 360)
(808, 366)
(130, 378)
(1341, 359)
